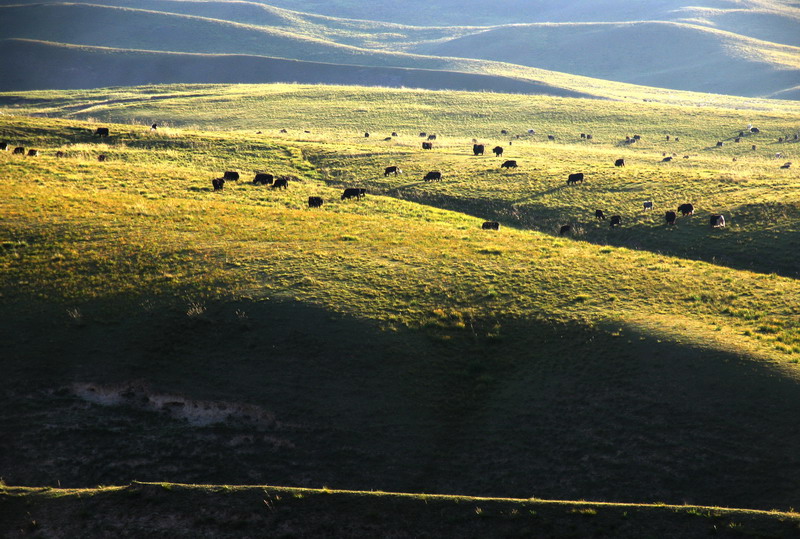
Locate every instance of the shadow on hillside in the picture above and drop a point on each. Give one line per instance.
(751, 247)
(536, 409)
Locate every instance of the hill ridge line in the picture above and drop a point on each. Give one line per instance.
(199, 486)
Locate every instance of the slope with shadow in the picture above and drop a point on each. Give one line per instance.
(295, 395)
(669, 55)
(65, 66)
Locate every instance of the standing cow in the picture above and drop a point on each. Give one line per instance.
(218, 183)
(670, 217)
(565, 229)
(354, 192)
(648, 205)
(263, 178)
(616, 220)
(19, 150)
(686, 209)
(315, 202)
(498, 151)
(717, 221)
(101, 132)
(427, 145)
(509, 164)
(433, 176)
(280, 183)
(575, 178)
(619, 163)
(490, 225)
(230, 176)
(392, 170)
(477, 149)
(598, 214)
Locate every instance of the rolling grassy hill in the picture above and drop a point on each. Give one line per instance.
(161, 331)
(690, 51)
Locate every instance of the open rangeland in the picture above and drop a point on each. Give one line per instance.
(158, 330)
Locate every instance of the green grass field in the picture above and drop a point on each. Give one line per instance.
(161, 331)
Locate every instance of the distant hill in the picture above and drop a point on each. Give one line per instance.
(680, 56)
(69, 66)
(744, 48)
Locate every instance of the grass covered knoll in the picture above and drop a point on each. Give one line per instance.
(230, 511)
(163, 332)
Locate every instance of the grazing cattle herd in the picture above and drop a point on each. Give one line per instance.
(263, 178)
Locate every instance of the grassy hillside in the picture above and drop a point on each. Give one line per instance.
(748, 190)
(696, 56)
(224, 511)
(163, 332)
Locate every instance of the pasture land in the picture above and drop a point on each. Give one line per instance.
(161, 331)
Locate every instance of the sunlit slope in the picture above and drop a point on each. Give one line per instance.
(374, 344)
(748, 186)
(680, 56)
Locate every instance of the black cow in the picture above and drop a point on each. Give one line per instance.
(394, 133)
(677, 139)
(753, 147)
(720, 144)
(33, 153)
(509, 164)
(616, 220)
(575, 178)
(717, 221)
(218, 183)
(598, 214)
(153, 127)
(4, 146)
(366, 135)
(59, 154)
(387, 139)
(565, 229)
(648, 205)
(737, 139)
(490, 225)
(102, 157)
(637, 137)
(423, 134)
(503, 132)
(477, 149)
(19, 150)
(315, 202)
(619, 163)
(392, 170)
(432, 176)
(667, 137)
(588, 137)
(263, 178)
(686, 209)
(431, 137)
(786, 165)
(666, 159)
(670, 217)
(284, 131)
(230, 176)
(498, 151)
(101, 132)
(551, 137)
(280, 183)
(583, 135)
(755, 130)
(354, 192)
(427, 145)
